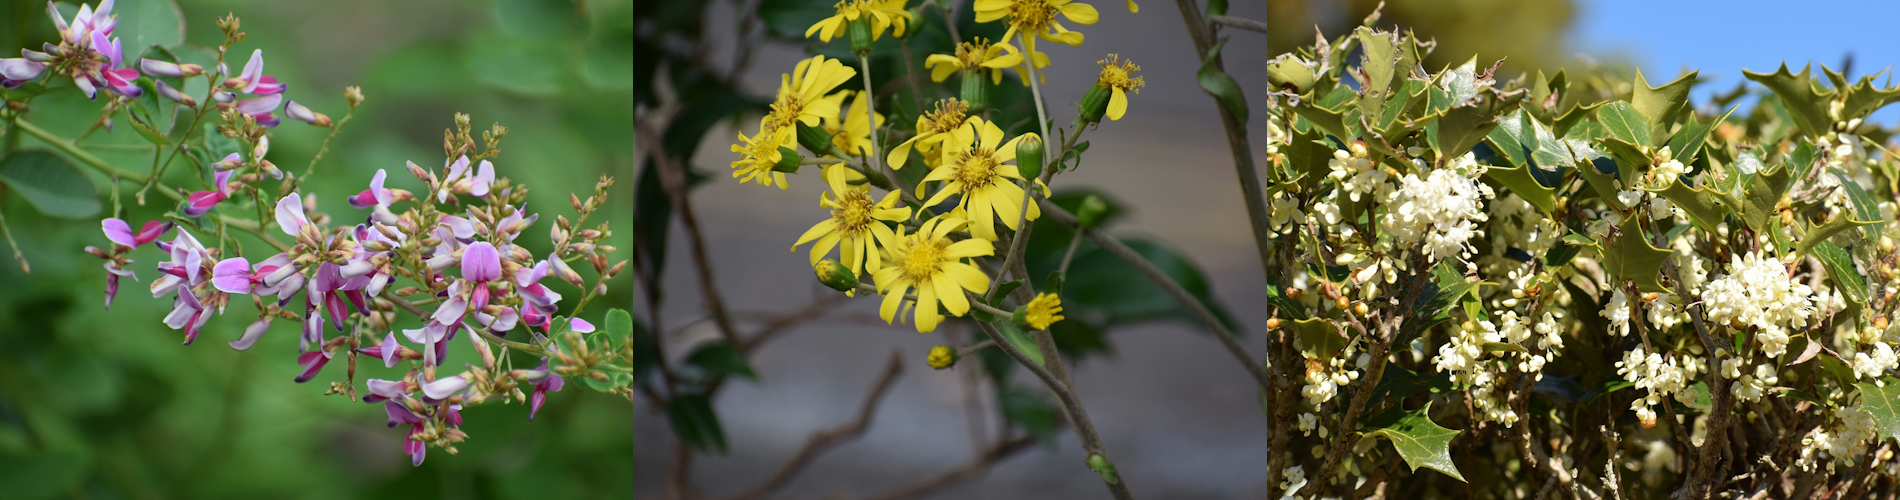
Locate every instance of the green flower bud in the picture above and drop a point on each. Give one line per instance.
(1103, 467)
(1091, 211)
(835, 275)
(1029, 155)
(941, 357)
(814, 139)
(1094, 104)
(788, 160)
(859, 32)
(976, 90)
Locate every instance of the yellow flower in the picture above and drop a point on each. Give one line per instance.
(848, 131)
(854, 222)
(932, 129)
(1037, 18)
(759, 153)
(1132, 8)
(881, 14)
(801, 95)
(1118, 76)
(977, 56)
(973, 162)
(932, 264)
(1042, 311)
(941, 357)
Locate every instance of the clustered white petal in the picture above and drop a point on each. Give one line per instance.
(1758, 292)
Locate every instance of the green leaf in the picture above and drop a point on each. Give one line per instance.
(1419, 440)
(1881, 400)
(50, 184)
(539, 18)
(618, 323)
(1661, 104)
(1386, 56)
(1319, 338)
(1031, 411)
(1308, 156)
(1702, 206)
(1290, 73)
(1633, 258)
(695, 422)
(1220, 85)
(1865, 209)
(1625, 122)
(145, 23)
(1464, 125)
(1820, 233)
(1326, 119)
(1861, 98)
(1806, 105)
(1688, 142)
(1457, 86)
(1397, 383)
(1840, 266)
(1762, 197)
(719, 359)
(1017, 338)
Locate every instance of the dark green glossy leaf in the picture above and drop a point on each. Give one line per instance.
(1840, 267)
(1806, 105)
(1419, 440)
(719, 359)
(695, 422)
(1633, 258)
(1881, 399)
(1220, 85)
(1625, 122)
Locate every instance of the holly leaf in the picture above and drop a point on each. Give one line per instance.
(1625, 122)
(1469, 121)
(1807, 105)
(1633, 258)
(1861, 98)
(1419, 440)
(1661, 104)
(1688, 142)
(1881, 399)
(1702, 205)
(1865, 209)
(1840, 266)
(1319, 338)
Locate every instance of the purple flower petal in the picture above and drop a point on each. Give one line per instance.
(232, 275)
(251, 334)
(312, 362)
(481, 263)
(119, 232)
(290, 214)
(484, 175)
(253, 71)
(445, 387)
(580, 325)
(260, 105)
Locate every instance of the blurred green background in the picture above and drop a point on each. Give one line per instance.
(107, 404)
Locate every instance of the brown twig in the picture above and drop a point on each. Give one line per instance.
(990, 456)
(1238, 22)
(1091, 442)
(673, 180)
(826, 439)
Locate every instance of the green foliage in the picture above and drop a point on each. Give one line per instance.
(1881, 399)
(51, 184)
(1419, 440)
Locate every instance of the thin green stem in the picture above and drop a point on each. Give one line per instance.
(17, 256)
(326, 143)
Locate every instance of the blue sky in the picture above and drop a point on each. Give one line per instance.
(1721, 38)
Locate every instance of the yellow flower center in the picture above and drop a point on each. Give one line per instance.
(1043, 311)
(976, 168)
(1117, 73)
(971, 54)
(852, 211)
(949, 114)
(785, 111)
(924, 257)
(1031, 16)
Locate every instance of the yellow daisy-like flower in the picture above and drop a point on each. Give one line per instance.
(1042, 311)
(801, 94)
(759, 153)
(881, 14)
(974, 162)
(854, 222)
(848, 130)
(1118, 76)
(977, 56)
(932, 264)
(932, 129)
(1037, 18)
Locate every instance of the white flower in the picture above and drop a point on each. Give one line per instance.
(1439, 212)
(1294, 482)
(1758, 292)
(1883, 358)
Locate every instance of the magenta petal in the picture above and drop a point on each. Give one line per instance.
(481, 263)
(260, 105)
(222, 181)
(251, 334)
(460, 226)
(390, 389)
(201, 202)
(534, 403)
(451, 312)
(119, 232)
(112, 289)
(253, 71)
(151, 231)
(312, 362)
(232, 275)
(581, 325)
(392, 351)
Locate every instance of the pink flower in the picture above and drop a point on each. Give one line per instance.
(16, 71)
(251, 334)
(548, 382)
(303, 114)
(538, 296)
(376, 195)
(413, 446)
(312, 362)
(121, 233)
(484, 175)
(443, 388)
(233, 275)
(166, 69)
(261, 108)
(390, 390)
(188, 314)
(165, 90)
(253, 80)
(456, 170)
(86, 22)
(199, 203)
(290, 214)
(390, 350)
(481, 263)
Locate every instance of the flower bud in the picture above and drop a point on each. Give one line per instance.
(976, 90)
(1029, 156)
(835, 275)
(1104, 468)
(1091, 212)
(814, 139)
(941, 357)
(859, 32)
(354, 95)
(788, 160)
(1094, 104)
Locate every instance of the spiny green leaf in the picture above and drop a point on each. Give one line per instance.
(1625, 122)
(1469, 122)
(1290, 73)
(1661, 104)
(1702, 206)
(1688, 142)
(1633, 258)
(1862, 98)
(1881, 400)
(1864, 207)
(1840, 267)
(1762, 196)
(1387, 56)
(1319, 338)
(1804, 103)
(1822, 232)
(51, 184)
(1419, 440)
(1519, 180)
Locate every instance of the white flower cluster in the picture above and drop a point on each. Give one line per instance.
(1660, 377)
(1323, 382)
(1667, 169)
(1439, 211)
(1286, 216)
(1357, 174)
(1872, 366)
(1758, 292)
(1663, 310)
(1464, 357)
(1750, 386)
(1843, 443)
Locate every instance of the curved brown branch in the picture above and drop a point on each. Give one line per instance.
(990, 456)
(1091, 442)
(824, 440)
